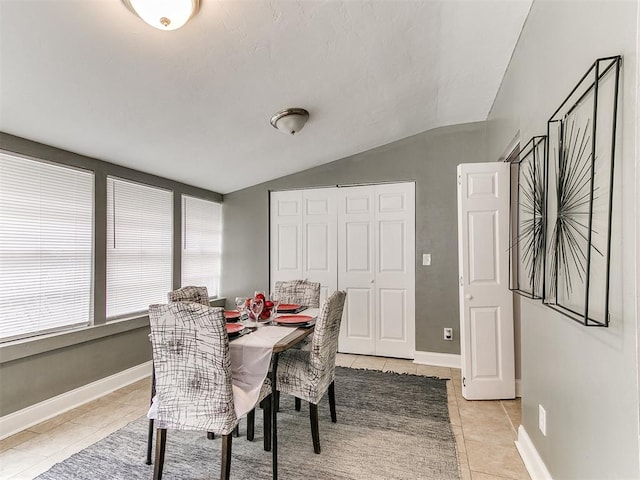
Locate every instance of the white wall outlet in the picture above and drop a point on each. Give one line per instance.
(542, 420)
(426, 259)
(448, 333)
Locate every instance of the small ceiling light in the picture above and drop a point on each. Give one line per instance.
(290, 120)
(164, 14)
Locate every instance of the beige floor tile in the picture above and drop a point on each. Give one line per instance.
(486, 476)
(102, 416)
(344, 359)
(463, 461)
(368, 362)
(457, 433)
(35, 469)
(15, 461)
(454, 415)
(495, 460)
(48, 425)
(431, 371)
(400, 366)
(514, 412)
(489, 431)
(17, 439)
(55, 440)
(465, 473)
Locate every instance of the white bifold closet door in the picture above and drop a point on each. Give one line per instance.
(358, 239)
(303, 237)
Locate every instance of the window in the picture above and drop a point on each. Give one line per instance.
(201, 243)
(46, 247)
(139, 247)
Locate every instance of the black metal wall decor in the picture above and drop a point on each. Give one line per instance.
(579, 194)
(527, 250)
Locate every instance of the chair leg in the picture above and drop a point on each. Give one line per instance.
(298, 402)
(151, 426)
(149, 442)
(251, 419)
(332, 402)
(277, 393)
(266, 419)
(225, 464)
(236, 431)
(315, 433)
(211, 435)
(161, 440)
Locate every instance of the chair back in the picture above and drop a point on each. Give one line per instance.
(192, 367)
(189, 294)
(324, 344)
(301, 292)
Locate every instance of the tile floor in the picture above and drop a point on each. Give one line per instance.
(484, 430)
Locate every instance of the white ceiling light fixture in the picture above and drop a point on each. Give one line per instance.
(164, 14)
(290, 120)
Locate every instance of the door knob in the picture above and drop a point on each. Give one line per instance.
(468, 296)
(373, 281)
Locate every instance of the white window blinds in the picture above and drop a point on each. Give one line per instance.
(201, 243)
(46, 247)
(139, 246)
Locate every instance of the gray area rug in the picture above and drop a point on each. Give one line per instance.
(390, 426)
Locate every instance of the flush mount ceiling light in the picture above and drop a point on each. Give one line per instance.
(291, 120)
(164, 14)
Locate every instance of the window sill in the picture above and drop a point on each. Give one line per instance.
(28, 347)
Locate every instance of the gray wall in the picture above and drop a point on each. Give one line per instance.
(586, 378)
(429, 159)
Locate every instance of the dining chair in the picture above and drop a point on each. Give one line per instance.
(309, 374)
(301, 292)
(189, 294)
(193, 376)
(185, 294)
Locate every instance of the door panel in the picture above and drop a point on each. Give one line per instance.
(486, 304)
(320, 239)
(355, 269)
(395, 269)
(286, 235)
(392, 303)
(483, 239)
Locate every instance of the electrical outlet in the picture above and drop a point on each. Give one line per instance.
(426, 259)
(448, 333)
(542, 420)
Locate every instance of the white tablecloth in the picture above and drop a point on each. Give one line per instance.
(250, 359)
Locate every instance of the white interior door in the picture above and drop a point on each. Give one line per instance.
(356, 269)
(395, 271)
(319, 239)
(486, 308)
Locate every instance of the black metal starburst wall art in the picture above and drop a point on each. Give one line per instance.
(527, 251)
(579, 196)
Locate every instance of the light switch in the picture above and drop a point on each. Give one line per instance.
(426, 259)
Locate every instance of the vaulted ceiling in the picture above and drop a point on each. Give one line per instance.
(194, 104)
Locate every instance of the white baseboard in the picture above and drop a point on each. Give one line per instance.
(532, 460)
(438, 359)
(27, 417)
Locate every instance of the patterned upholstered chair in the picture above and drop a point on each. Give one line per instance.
(309, 374)
(185, 294)
(189, 294)
(193, 375)
(301, 292)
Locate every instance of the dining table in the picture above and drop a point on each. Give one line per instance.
(251, 357)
